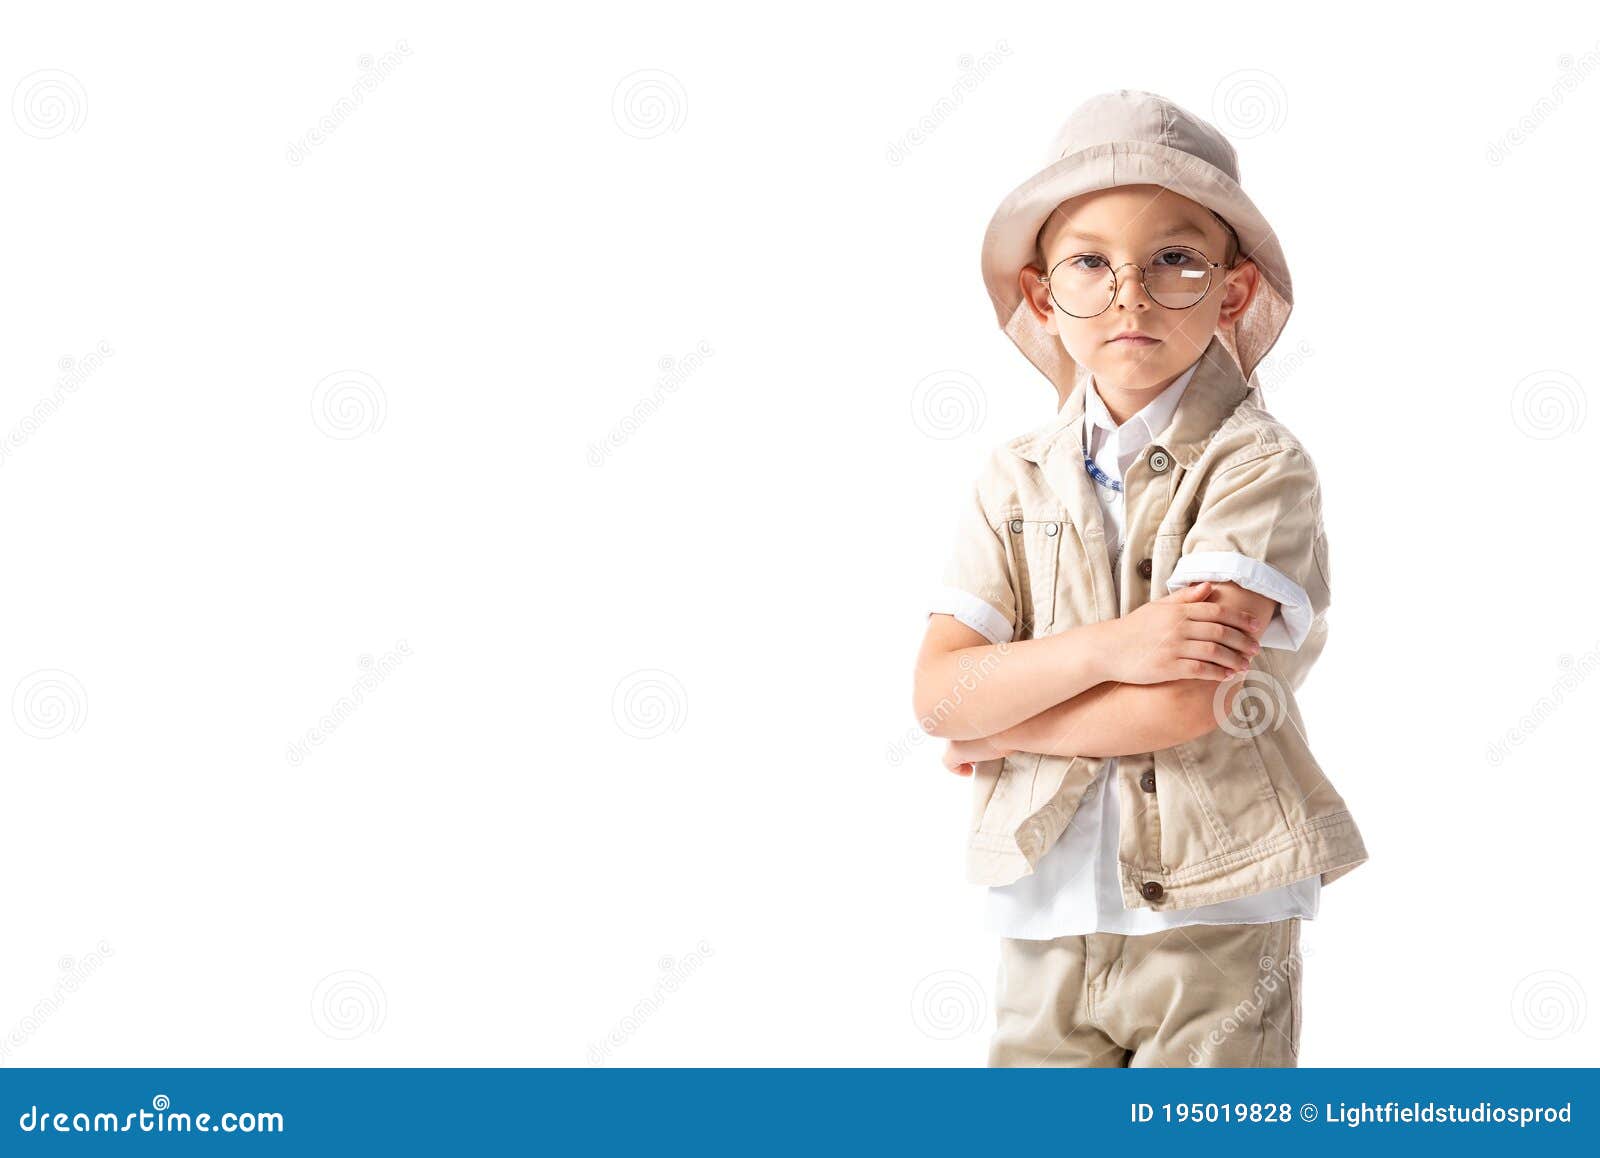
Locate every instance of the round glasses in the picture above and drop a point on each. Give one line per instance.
(1085, 284)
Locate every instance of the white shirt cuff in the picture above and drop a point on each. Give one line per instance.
(972, 611)
(1292, 621)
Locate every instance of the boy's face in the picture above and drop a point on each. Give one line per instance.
(1118, 229)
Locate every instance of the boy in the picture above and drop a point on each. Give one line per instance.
(1136, 591)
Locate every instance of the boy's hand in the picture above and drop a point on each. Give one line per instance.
(961, 755)
(1181, 637)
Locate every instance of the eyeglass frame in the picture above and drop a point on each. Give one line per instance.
(1116, 282)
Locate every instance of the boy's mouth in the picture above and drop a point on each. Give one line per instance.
(1133, 338)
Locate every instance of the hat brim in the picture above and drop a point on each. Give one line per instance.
(1011, 240)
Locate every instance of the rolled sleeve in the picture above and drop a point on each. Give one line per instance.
(1260, 526)
(1291, 621)
(979, 588)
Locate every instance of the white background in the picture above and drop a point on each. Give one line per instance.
(647, 789)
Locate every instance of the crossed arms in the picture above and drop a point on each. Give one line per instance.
(1137, 684)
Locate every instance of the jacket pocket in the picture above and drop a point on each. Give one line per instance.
(1215, 798)
(1036, 545)
(985, 779)
(1001, 801)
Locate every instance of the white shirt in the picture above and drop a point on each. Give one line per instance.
(1076, 889)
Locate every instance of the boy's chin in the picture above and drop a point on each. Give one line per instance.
(1132, 369)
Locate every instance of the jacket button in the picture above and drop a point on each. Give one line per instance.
(1051, 528)
(1160, 460)
(1016, 526)
(1152, 890)
(1148, 781)
(1146, 568)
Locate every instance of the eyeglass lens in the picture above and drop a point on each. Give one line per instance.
(1085, 284)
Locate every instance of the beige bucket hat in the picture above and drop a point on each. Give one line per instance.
(1131, 137)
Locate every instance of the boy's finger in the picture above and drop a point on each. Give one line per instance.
(1233, 616)
(1239, 640)
(1216, 655)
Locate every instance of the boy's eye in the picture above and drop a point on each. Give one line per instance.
(1086, 263)
(1174, 258)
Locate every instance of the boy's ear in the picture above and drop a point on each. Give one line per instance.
(1242, 284)
(1037, 295)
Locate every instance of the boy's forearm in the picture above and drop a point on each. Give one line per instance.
(1112, 719)
(979, 691)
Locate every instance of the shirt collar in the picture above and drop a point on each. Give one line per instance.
(1215, 393)
(1142, 426)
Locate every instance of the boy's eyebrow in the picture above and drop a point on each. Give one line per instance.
(1170, 231)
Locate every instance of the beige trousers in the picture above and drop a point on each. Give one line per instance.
(1197, 995)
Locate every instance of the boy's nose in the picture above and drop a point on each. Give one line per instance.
(1130, 285)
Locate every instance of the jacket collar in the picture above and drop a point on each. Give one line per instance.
(1212, 395)
(1142, 427)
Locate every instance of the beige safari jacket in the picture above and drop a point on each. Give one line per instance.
(1245, 807)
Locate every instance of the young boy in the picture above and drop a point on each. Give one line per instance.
(1137, 589)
